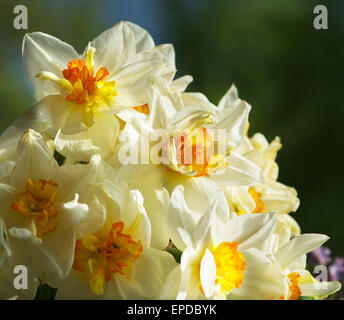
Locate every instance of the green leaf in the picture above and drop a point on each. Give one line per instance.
(45, 292)
(176, 253)
(306, 298)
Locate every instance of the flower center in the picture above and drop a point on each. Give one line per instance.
(195, 153)
(230, 266)
(97, 259)
(87, 88)
(83, 85)
(257, 199)
(37, 204)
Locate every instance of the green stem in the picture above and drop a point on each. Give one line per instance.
(45, 292)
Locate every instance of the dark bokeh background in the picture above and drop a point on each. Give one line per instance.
(289, 72)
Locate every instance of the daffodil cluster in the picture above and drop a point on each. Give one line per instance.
(108, 188)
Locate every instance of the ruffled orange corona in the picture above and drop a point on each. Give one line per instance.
(37, 204)
(191, 150)
(295, 291)
(83, 86)
(196, 153)
(97, 259)
(230, 266)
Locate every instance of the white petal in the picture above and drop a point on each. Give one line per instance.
(113, 196)
(282, 231)
(195, 99)
(179, 215)
(202, 233)
(74, 121)
(266, 228)
(163, 104)
(184, 239)
(278, 197)
(191, 116)
(169, 290)
(261, 280)
(189, 256)
(189, 288)
(72, 212)
(181, 83)
(208, 273)
(34, 160)
(53, 259)
(114, 47)
(93, 221)
(198, 192)
(291, 223)
(319, 289)
(100, 139)
(239, 171)
(76, 178)
(42, 52)
(298, 246)
(234, 121)
(300, 263)
(247, 230)
(240, 198)
(156, 197)
(48, 115)
(71, 288)
(143, 39)
(230, 96)
(137, 219)
(8, 195)
(167, 51)
(132, 81)
(150, 272)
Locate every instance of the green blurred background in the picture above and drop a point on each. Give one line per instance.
(289, 72)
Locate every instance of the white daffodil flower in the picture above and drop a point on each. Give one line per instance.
(219, 258)
(201, 178)
(244, 199)
(117, 261)
(46, 207)
(194, 123)
(288, 255)
(272, 195)
(113, 71)
(190, 117)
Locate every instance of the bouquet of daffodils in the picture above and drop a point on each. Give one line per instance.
(119, 184)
